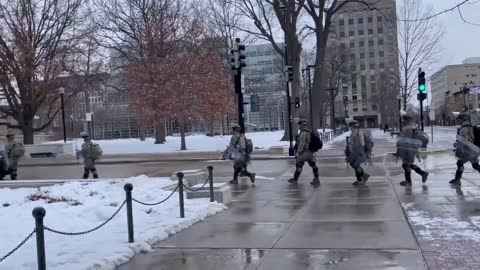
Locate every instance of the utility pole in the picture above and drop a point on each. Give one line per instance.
(332, 108)
(238, 62)
(289, 105)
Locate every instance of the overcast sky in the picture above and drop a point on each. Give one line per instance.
(461, 40)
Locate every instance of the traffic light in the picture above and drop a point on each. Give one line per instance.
(238, 55)
(289, 73)
(421, 81)
(297, 102)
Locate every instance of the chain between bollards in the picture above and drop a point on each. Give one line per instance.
(128, 197)
(180, 194)
(39, 213)
(210, 179)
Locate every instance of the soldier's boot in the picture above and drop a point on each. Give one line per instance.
(252, 177)
(86, 172)
(234, 181)
(366, 176)
(13, 175)
(296, 175)
(458, 175)
(359, 179)
(408, 180)
(95, 174)
(316, 180)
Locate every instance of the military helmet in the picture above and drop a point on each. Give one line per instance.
(354, 123)
(302, 121)
(235, 126)
(84, 134)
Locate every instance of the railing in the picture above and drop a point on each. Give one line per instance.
(39, 214)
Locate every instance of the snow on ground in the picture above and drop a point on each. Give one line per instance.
(261, 140)
(442, 228)
(84, 205)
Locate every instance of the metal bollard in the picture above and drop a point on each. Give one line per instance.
(180, 194)
(210, 180)
(39, 213)
(128, 197)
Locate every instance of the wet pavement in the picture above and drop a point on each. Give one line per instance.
(277, 225)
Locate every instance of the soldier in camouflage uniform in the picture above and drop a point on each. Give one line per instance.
(358, 150)
(14, 151)
(465, 150)
(303, 154)
(89, 156)
(409, 154)
(239, 143)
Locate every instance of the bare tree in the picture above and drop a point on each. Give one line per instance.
(419, 42)
(321, 13)
(140, 33)
(37, 39)
(266, 16)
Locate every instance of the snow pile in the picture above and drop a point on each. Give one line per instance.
(79, 206)
(442, 228)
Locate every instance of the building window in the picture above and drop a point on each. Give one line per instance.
(379, 19)
(380, 30)
(361, 44)
(360, 32)
(370, 31)
(341, 22)
(364, 109)
(350, 21)
(382, 65)
(370, 43)
(362, 55)
(381, 53)
(372, 66)
(370, 19)
(342, 34)
(362, 67)
(351, 33)
(352, 44)
(371, 54)
(374, 107)
(360, 20)
(355, 109)
(380, 42)
(354, 97)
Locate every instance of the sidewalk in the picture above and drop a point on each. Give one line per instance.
(276, 225)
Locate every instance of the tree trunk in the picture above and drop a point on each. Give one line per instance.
(142, 134)
(28, 133)
(160, 133)
(183, 144)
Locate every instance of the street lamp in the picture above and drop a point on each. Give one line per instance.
(61, 90)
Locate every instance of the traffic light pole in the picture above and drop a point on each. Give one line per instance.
(238, 90)
(421, 114)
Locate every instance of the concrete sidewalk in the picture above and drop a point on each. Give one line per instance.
(277, 225)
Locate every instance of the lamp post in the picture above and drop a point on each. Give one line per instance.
(61, 90)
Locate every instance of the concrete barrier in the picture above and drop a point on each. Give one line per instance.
(59, 150)
(191, 177)
(221, 193)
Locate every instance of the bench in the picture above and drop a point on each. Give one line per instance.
(52, 150)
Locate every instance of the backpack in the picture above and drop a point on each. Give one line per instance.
(315, 143)
(96, 152)
(249, 146)
(17, 150)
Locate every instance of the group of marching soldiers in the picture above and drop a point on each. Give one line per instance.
(359, 147)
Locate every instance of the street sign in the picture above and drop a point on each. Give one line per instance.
(432, 115)
(88, 117)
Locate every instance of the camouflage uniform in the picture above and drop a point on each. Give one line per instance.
(89, 157)
(303, 154)
(408, 157)
(358, 150)
(240, 157)
(465, 150)
(14, 151)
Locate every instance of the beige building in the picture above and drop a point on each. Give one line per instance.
(447, 86)
(369, 39)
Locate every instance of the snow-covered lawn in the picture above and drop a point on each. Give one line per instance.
(79, 206)
(261, 140)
